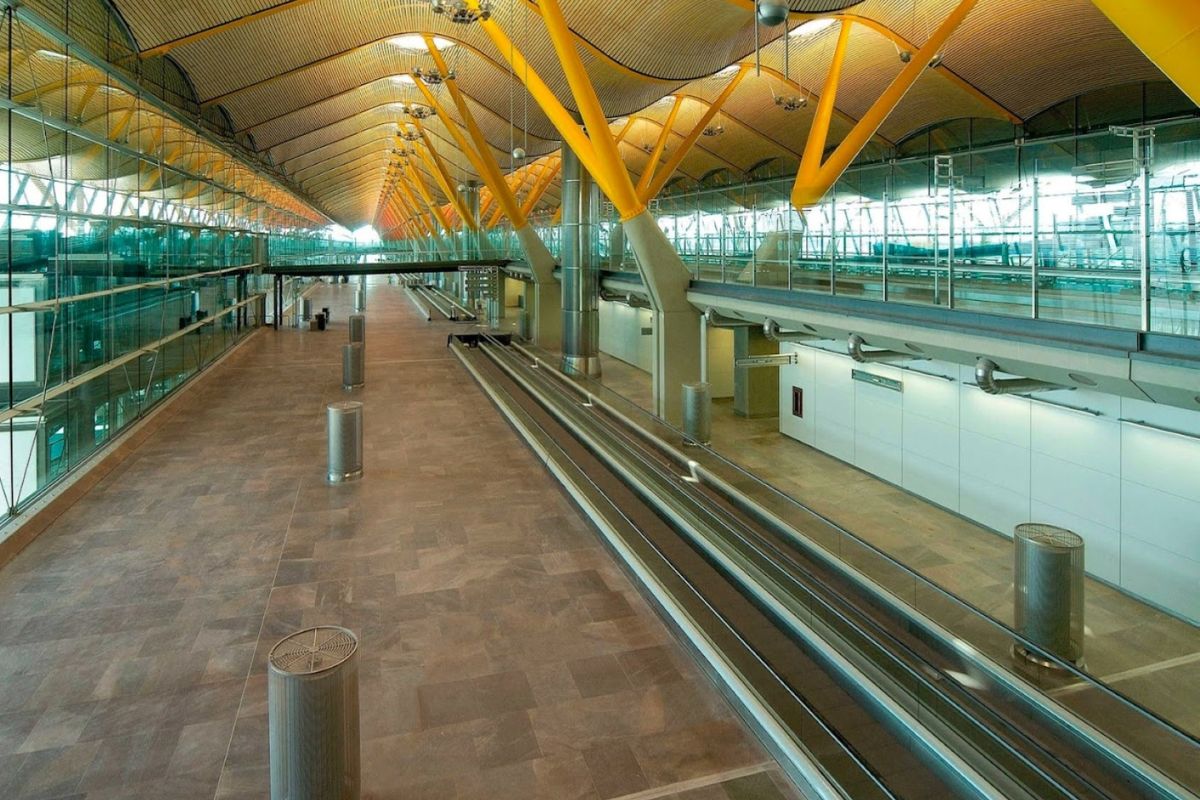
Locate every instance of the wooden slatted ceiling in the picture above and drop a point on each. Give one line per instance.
(1023, 54)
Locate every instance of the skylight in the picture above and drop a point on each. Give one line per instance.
(415, 42)
(812, 27)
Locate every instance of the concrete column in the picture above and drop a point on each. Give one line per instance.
(580, 277)
(676, 322)
(755, 391)
(616, 246)
(543, 298)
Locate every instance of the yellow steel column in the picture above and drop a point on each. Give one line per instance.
(818, 132)
(490, 170)
(1167, 31)
(665, 134)
(539, 188)
(622, 193)
(663, 174)
(811, 186)
(438, 169)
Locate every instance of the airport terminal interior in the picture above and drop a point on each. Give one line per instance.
(600, 399)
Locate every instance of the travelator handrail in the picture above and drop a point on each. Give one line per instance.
(1059, 716)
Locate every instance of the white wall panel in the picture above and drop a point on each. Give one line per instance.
(931, 479)
(1000, 462)
(1084, 492)
(1164, 461)
(1132, 493)
(1160, 576)
(1168, 521)
(1093, 442)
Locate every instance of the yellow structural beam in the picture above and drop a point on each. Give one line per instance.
(489, 169)
(246, 19)
(657, 152)
(941, 69)
(549, 173)
(1167, 31)
(411, 173)
(562, 120)
(663, 174)
(818, 132)
(814, 179)
(437, 167)
(620, 187)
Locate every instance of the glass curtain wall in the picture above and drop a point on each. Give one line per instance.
(129, 239)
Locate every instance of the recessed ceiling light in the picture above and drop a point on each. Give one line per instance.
(415, 42)
(812, 27)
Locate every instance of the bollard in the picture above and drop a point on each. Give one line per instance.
(345, 423)
(312, 715)
(1048, 591)
(358, 328)
(353, 365)
(697, 413)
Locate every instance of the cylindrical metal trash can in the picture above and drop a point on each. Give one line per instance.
(1048, 596)
(345, 423)
(303, 311)
(697, 413)
(358, 328)
(320, 320)
(353, 365)
(360, 299)
(312, 715)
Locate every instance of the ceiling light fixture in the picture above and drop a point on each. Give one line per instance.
(713, 130)
(432, 77)
(405, 79)
(790, 102)
(772, 13)
(52, 54)
(812, 27)
(460, 12)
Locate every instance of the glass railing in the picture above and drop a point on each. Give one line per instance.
(1091, 229)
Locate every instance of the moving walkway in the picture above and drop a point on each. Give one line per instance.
(865, 681)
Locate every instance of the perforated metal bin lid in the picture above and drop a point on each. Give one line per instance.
(312, 650)
(1049, 536)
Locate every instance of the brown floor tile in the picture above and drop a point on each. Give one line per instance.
(503, 652)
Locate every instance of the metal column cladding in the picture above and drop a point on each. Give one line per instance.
(580, 278)
(471, 233)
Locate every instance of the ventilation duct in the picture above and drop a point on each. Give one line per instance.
(625, 298)
(771, 331)
(985, 379)
(715, 319)
(854, 347)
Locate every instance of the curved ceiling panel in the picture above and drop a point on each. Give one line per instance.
(314, 81)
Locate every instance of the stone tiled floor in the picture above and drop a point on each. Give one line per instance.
(1148, 655)
(504, 653)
